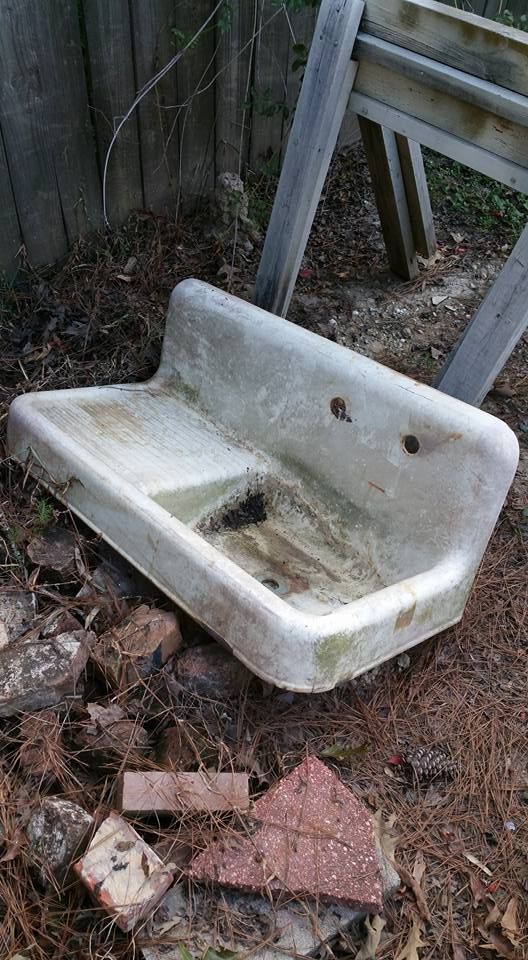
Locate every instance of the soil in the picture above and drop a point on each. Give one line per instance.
(464, 843)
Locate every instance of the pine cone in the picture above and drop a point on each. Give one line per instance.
(429, 763)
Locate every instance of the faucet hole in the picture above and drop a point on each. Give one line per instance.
(338, 408)
(411, 444)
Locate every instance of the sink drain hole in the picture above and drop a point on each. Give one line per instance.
(270, 583)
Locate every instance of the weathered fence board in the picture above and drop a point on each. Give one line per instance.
(488, 340)
(270, 80)
(236, 29)
(46, 134)
(418, 201)
(10, 236)
(151, 22)
(196, 99)
(113, 88)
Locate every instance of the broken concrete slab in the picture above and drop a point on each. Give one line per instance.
(56, 833)
(40, 673)
(17, 609)
(246, 925)
(313, 838)
(159, 792)
(210, 671)
(123, 874)
(54, 549)
(138, 646)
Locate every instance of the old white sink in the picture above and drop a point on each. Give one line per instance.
(316, 511)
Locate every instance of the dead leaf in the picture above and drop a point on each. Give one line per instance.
(419, 867)
(458, 950)
(477, 863)
(104, 716)
(498, 943)
(493, 916)
(478, 889)
(509, 921)
(457, 237)
(387, 838)
(410, 882)
(410, 950)
(344, 751)
(124, 277)
(374, 929)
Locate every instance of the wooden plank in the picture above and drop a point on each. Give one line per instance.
(431, 136)
(417, 193)
(45, 125)
(322, 102)
(383, 159)
(196, 95)
(160, 792)
(236, 26)
(498, 100)
(109, 52)
(487, 342)
(270, 84)
(153, 46)
(10, 236)
(461, 40)
(301, 25)
(445, 111)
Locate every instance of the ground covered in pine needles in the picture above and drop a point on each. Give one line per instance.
(462, 844)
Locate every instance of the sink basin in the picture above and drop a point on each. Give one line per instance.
(314, 510)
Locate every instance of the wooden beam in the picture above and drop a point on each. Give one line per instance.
(383, 159)
(417, 193)
(440, 76)
(445, 111)
(322, 102)
(473, 44)
(512, 174)
(167, 793)
(487, 342)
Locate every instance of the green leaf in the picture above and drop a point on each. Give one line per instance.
(343, 751)
(219, 954)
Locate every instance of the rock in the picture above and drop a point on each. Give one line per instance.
(244, 924)
(62, 622)
(231, 210)
(40, 674)
(138, 646)
(16, 613)
(313, 838)
(41, 753)
(56, 833)
(210, 671)
(123, 874)
(55, 549)
(111, 738)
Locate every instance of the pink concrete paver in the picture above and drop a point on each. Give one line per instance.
(313, 838)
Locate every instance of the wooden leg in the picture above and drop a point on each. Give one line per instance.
(473, 366)
(383, 159)
(415, 181)
(325, 90)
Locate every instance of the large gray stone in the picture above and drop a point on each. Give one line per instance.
(57, 832)
(16, 613)
(41, 673)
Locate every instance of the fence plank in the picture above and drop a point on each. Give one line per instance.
(418, 201)
(473, 44)
(490, 337)
(152, 21)
(47, 137)
(109, 39)
(383, 159)
(322, 102)
(196, 93)
(270, 83)
(10, 236)
(236, 27)
(301, 27)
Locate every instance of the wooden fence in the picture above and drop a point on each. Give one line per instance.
(69, 71)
